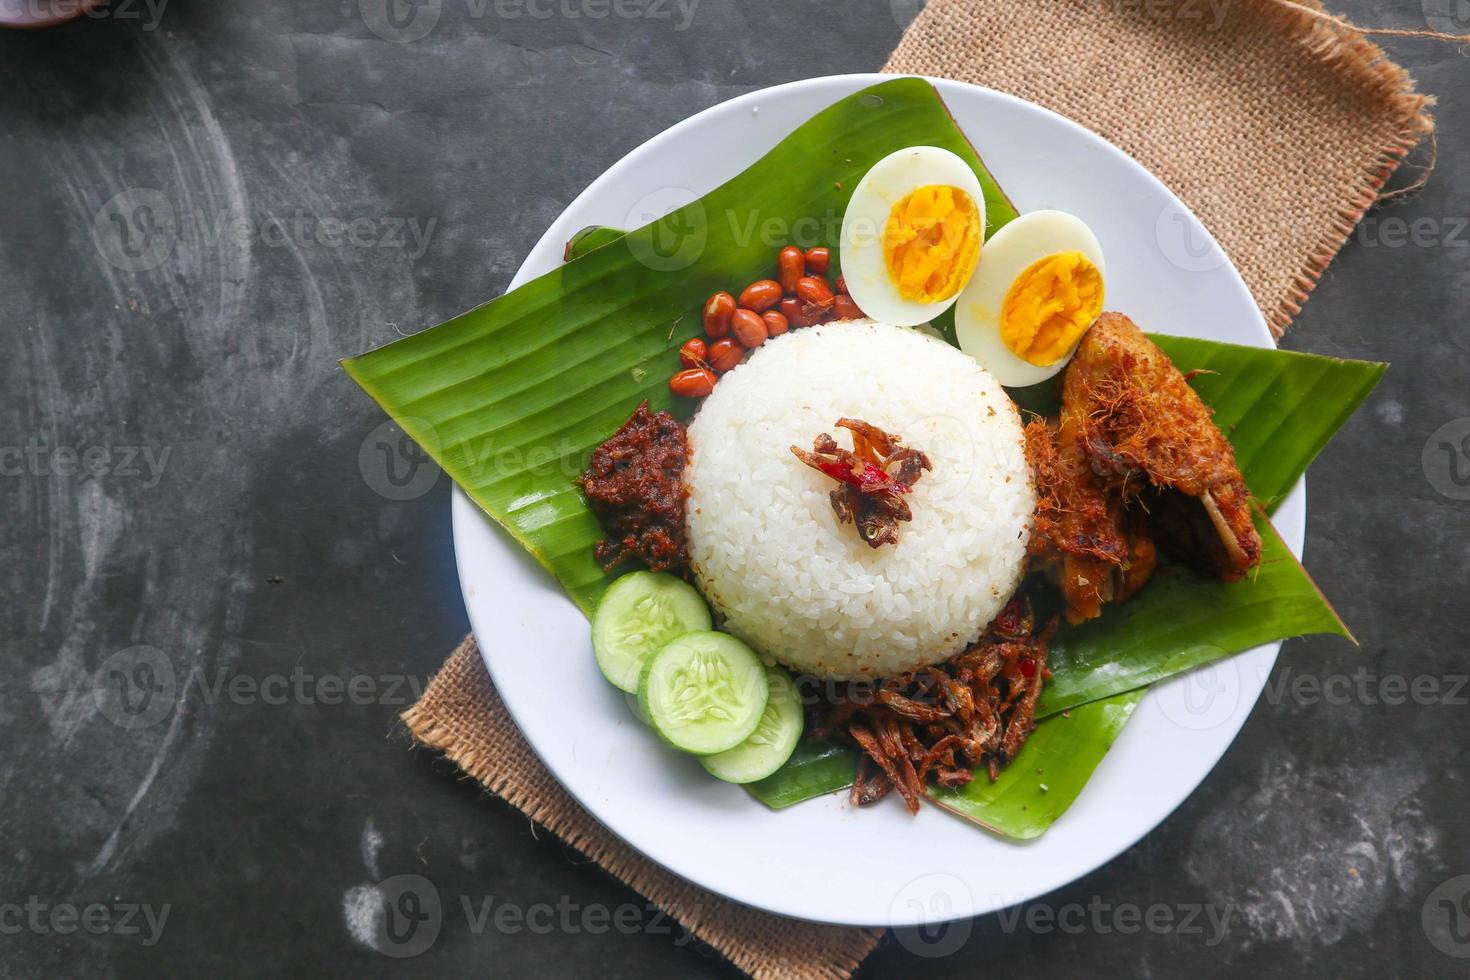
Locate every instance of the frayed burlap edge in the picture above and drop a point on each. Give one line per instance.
(1361, 62)
(462, 716)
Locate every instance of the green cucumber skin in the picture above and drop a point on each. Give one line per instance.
(734, 765)
(687, 604)
(651, 714)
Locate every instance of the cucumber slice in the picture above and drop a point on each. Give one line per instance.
(704, 692)
(771, 744)
(640, 614)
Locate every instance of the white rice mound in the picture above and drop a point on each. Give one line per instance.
(766, 548)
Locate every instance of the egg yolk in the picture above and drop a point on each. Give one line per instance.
(931, 243)
(1050, 306)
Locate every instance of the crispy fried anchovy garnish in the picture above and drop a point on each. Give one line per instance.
(942, 723)
(871, 478)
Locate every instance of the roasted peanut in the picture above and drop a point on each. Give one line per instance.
(790, 266)
(748, 327)
(725, 353)
(815, 297)
(814, 289)
(791, 310)
(717, 312)
(817, 260)
(761, 295)
(693, 383)
(692, 354)
(843, 308)
(776, 322)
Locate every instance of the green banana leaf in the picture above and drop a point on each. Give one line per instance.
(1047, 775)
(589, 238)
(1036, 789)
(511, 398)
(815, 769)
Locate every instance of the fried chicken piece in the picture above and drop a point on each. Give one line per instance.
(1093, 548)
(1145, 431)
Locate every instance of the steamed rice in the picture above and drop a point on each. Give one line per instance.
(766, 548)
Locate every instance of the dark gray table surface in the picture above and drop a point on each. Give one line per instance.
(203, 205)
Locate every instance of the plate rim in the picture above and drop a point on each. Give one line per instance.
(464, 510)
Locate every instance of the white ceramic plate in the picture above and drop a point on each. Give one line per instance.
(823, 860)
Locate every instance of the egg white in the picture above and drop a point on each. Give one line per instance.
(889, 181)
(1010, 252)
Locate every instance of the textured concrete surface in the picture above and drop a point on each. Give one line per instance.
(206, 203)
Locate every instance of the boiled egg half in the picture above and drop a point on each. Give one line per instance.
(1033, 297)
(911, 235)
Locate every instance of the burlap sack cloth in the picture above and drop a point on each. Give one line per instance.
(1277, 128)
